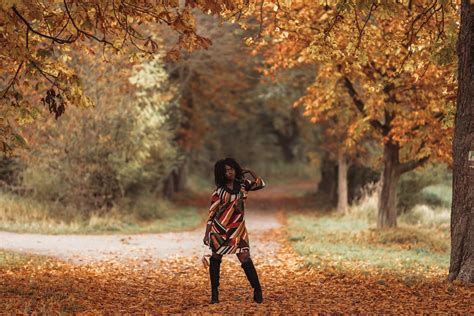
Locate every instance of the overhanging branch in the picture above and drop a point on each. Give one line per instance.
(412, 164)
(360, 105)
(53, 38)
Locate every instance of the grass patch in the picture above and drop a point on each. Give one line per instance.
(347, 243)
(425, 216)
(438, 195)
(144, 215)
(9, 259)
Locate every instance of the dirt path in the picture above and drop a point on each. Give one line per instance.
(263, 215)
(162, 274)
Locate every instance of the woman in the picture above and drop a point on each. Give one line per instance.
(225, 231)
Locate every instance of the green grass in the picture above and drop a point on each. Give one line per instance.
(438, 195)
(348, 243)
(10, 259)
(178, 220)
(145, 215)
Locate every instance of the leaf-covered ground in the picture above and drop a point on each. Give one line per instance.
(307, 273)
(181, 285)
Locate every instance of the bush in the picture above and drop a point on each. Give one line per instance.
(426, 216)
(92, 159)
(422, 215)
(366, 206)
(10, 168)
(411, 187)
(439, 195)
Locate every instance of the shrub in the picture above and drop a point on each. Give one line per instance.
(366, 206)
(426, 216)
(411, 187)
(91, 159)
(422, 215)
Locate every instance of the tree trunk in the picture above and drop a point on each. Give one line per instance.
(327, 187)
(357, 177)
(168, 187)
(288, 148)
(387, 208)
(462, 222)
(289, 137)
(342, 182)
(179, 177)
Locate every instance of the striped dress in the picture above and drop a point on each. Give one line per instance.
(228, 234)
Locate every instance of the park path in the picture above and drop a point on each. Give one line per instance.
(263, 215)
(162, 274)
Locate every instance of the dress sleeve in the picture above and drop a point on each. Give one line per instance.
(254, 185)
(215, 201)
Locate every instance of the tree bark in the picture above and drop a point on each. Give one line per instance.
(288, 148)
(168, 187)
(180, 177)
(357, 177)
(289, 138)
(462, 222)
(327, 187)
(342, 182)
(387, 208)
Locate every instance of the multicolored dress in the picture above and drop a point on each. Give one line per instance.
(228, 234)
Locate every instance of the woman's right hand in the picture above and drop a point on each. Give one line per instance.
(206, 240)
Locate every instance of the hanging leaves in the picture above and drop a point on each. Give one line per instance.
(55, 102)
(391, 65)
(39, 38)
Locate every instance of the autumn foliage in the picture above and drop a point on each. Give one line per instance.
(386, 72)
(181, 285)
(378, 80)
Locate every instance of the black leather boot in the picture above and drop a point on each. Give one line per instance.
(214, 271)
(252, 276)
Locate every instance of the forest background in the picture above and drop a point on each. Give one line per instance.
(108, 128)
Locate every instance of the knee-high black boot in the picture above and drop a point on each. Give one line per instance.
(252, 276)
(214, 271)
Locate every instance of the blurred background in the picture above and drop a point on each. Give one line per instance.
(143, 159)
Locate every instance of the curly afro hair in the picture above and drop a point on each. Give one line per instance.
(219, 170)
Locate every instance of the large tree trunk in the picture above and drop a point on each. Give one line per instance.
(342, 182)
(387, 208)
(462, 222)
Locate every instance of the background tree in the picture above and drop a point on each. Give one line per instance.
(93, 159)
(38, 37)
(273, 101)
(399, 88)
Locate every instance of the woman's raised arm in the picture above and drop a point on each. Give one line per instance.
(253, 185)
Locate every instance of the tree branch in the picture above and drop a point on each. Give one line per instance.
(53, 38)
(45, 74)
(261, 20)
(410, 165)
(13, 79)
(79, 31)
(373, 6)
(360, 105)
